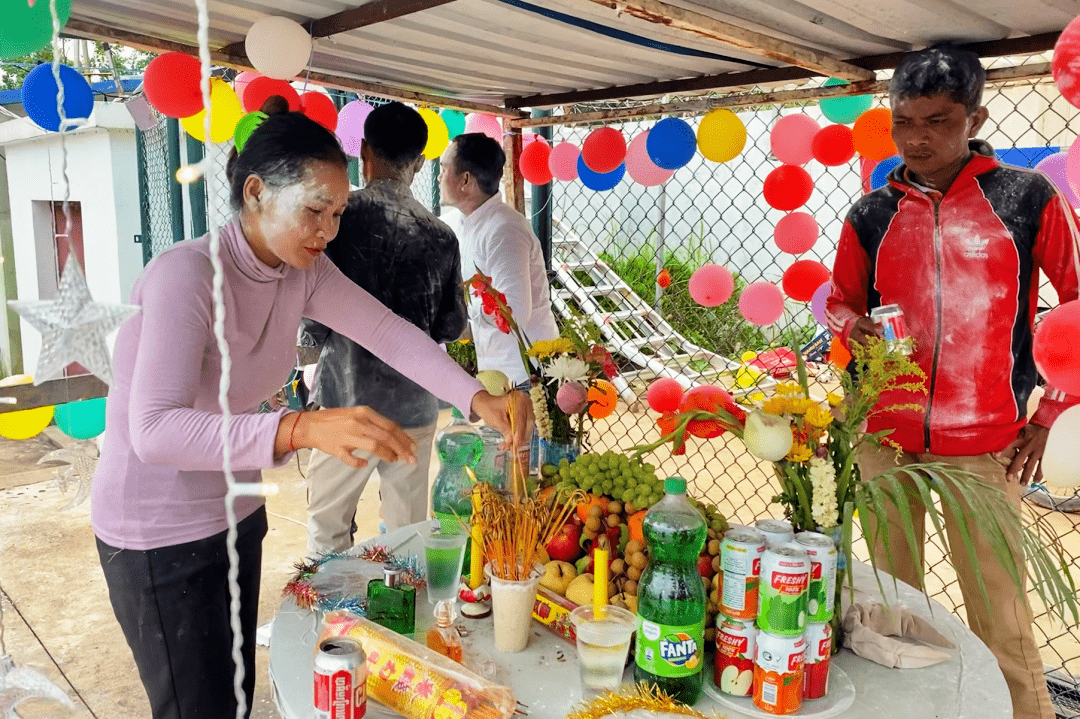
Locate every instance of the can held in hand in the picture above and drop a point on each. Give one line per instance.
(340, 680)
(822, 590)
(890, 318)
(778, 673)
(783, 592)
(777, 532)
(736, 646)
(740, 568)
(818, 654)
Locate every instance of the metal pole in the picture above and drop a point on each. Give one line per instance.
(176, 197)
(541, 201)
(196, 190)
(661, 231)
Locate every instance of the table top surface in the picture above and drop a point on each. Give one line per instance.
(544, 676)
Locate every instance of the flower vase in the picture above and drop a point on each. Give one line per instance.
(551, 452)
(843, 576)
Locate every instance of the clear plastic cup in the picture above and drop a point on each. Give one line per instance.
(603, 641)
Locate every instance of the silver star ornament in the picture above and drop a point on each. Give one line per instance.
(18, 684)
(82, 459)
(73, 327)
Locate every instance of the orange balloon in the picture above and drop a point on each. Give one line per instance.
(838, 353)
(872, 134)
(602, 398)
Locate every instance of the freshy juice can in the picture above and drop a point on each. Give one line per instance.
(822, 590)
(340, 680)
(740, 567)
(783, 591)
(818, 654)
(778, 673)
(736, 646)
(777, 532)
(890, 318)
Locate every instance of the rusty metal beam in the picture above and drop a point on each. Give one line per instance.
(756, 43)
(53, 392)
(751, 99)
(94, 31)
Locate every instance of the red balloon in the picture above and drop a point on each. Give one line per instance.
(664, 394)
(711, 285)
(171, 83)
(834, 145)
(604, 150)
(261, 88)
(1057, 347)
(788, 187)
(533, 163)
(1066, 62)
(709, 399)
(803, 278)
(320, 108)
(796, 233)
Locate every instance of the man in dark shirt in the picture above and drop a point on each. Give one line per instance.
(397, 250)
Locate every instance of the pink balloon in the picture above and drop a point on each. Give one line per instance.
(242, 81)
(563, 161)
(796, 232)
(641, 169)
(817, 303)
(792, 139)
(761, 303)
(1056, 167)
(485, 123)
(711, 285)
(350, 125)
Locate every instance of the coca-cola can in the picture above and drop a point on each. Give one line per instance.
(340, 680)
(890, 318)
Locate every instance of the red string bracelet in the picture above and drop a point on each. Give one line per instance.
(292, 433)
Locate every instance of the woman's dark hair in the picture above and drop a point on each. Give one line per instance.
(279, 150)
(481, 157)
(942, 69)
(396, 133)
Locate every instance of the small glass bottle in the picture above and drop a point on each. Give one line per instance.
(391, 604)
(443, 637)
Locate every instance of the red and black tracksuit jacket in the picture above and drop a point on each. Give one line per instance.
(964, 267)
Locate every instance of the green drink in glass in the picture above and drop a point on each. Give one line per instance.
(444, 553)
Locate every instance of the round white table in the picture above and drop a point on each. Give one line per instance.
(544, 677)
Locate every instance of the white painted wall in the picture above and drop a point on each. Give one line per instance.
(103, 177)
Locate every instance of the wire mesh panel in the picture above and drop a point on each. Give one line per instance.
(155, 187)
(710, 212)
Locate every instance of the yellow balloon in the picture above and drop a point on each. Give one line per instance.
(225, 113)
(26, 423)
(438, 137)
(721, 135)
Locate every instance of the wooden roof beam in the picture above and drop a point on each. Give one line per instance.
(661, 13)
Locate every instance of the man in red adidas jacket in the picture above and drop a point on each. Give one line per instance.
(958, 240)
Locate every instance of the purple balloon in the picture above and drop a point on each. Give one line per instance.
(350, 127)
(1056, 167)
(817, 303)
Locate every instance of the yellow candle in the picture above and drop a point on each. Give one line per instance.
(600, 579)
(476, 556)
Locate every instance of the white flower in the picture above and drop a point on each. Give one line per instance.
(567, 369)
(540, 411)
(823, 483)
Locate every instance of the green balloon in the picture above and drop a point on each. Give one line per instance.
(27, 29)
(844, 110)
(81, 420)
(245, 127)
(455, 122)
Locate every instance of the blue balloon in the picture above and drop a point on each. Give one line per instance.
(600, 182)
(671, 143)
(39, 96)
(880, 175)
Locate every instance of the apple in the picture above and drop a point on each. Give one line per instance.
(558, 576)
(580, 591)
(626, 600)
(564, 545)
(704, 566)
(584, 565)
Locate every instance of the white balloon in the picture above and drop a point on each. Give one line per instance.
(1060, 464)
(278, 47)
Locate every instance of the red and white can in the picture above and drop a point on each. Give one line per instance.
(340, 680)
(736, 646)
(740, 569)
(777, 532)
(890, 318)
(778, 673)
(819, 637)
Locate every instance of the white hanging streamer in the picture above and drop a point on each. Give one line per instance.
(218, 296)
(65, 183)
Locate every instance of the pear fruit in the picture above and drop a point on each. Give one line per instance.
(558, 576)
(580, 591)
(629, 601)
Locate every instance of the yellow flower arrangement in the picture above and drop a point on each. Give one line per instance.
(546, 348)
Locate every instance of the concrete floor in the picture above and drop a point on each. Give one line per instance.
(56, 613)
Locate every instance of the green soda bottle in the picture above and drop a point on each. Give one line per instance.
(671, 598)
(459, 446)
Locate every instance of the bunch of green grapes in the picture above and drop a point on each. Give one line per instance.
(615, 475)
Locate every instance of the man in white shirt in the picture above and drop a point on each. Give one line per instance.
(496, 240)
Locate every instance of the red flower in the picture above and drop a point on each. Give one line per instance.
(668, 422)
(601, 356)
(502, 323)
(664, 279)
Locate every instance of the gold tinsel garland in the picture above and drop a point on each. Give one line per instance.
(639, 696)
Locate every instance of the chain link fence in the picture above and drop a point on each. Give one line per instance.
(716, 213)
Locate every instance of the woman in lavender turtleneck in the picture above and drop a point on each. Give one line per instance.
(158, 494)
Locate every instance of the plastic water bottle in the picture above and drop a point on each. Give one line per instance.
(459, 446)
(671, 597)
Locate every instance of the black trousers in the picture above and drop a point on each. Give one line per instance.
(173, 605)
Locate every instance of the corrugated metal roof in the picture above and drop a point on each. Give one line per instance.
(488, 50)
